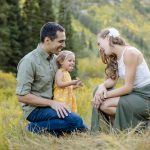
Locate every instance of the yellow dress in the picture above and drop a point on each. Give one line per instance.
(66, 94)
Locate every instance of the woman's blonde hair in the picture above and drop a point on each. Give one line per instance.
(111, 69)
(62, 56)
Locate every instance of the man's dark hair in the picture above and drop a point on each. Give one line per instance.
(49, 30)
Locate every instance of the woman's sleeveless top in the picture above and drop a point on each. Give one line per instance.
(142, 76)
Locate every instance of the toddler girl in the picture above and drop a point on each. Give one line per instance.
(63, 87)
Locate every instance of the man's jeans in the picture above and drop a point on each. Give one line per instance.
(46, 119)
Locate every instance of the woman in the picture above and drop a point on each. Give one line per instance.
(129, 104)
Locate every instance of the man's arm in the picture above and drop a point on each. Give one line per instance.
(33, 100)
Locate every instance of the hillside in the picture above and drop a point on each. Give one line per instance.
(131, 17)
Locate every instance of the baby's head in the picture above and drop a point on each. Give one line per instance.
(66, 60)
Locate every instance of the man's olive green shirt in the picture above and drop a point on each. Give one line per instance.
(36, 72)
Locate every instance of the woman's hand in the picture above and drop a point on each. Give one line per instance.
(96, 103)
(100, 95)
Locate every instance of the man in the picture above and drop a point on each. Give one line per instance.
(35, 79)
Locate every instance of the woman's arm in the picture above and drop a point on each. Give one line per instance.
(110, 83)
(59, 80)
(102, 88)
(131, 62)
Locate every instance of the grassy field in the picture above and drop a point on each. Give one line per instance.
(14, 137)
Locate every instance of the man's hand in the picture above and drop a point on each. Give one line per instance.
(61, 109)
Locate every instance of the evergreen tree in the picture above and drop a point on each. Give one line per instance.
(9, 33)
(35, 14)
(64, 19)
(14, 53)
(90, 45)
(31, 26)
(4, 34)
(83, 40)
(46, 11)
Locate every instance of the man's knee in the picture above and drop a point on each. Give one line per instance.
(74, 119)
